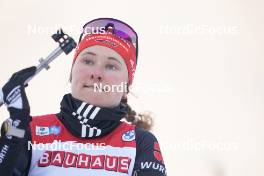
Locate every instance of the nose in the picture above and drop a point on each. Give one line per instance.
(96, 75)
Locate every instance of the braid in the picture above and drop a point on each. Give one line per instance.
(141, 120)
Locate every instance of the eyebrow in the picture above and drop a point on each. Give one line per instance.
(88, 52)
(113, 58)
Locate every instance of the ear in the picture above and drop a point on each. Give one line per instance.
(70, 78)
(124, 95)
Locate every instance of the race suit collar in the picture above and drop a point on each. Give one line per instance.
(88, 121)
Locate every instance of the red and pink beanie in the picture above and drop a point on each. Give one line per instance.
(125, 48)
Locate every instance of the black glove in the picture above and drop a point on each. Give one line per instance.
(14, 95)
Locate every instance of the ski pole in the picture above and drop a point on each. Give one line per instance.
(66, 45)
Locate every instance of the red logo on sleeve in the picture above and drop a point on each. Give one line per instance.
(157, 152)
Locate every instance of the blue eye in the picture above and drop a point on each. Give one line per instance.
(88, 61)
(111, 67)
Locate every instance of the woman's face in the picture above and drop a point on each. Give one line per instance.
(102, 66)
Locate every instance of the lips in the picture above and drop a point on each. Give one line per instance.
(88, 86)
(92, 87)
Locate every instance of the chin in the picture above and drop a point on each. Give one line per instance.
(101, 101)
(95, 99)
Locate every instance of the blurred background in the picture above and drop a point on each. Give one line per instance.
(200, 72)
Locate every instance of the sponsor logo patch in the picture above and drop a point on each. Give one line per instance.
(129, 135)
(68, 159)
(44, 131)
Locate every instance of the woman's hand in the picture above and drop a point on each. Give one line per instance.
(14, 95)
